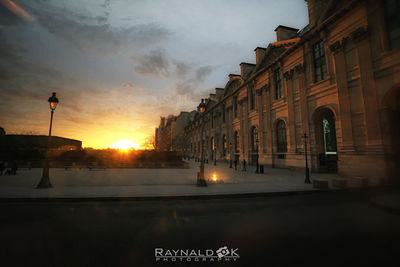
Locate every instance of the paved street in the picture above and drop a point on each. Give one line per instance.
(82, 183)
(334, 228)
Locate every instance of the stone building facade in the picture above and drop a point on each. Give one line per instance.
(170, 134)
(336, 81)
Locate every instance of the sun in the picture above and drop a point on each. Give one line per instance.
(125, 145)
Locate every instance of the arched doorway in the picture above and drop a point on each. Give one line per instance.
(281, 143)
(391, 125)
(224, 145)
(325, 140)
(254, 145)
(237, 148)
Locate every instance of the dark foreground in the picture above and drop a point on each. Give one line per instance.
(320, 229)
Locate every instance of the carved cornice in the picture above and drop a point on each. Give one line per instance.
(242, 100)
(289, 74)
(266, 87)
(360, 34)
(338, 46)
(299, 69)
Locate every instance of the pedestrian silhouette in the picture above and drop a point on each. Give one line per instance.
(14, 168)
(244, 165)
(235, 164)
(1, 168)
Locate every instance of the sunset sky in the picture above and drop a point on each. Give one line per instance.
(117, 66)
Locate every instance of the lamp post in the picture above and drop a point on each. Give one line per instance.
(200, 177)
(230, 155)
(307, 180)
(45, 181)
(215, 154)
(257, 166)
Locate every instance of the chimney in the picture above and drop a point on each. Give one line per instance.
(212, 97)
(231, 76)
(285, 33)
(219, 92)
(246, 69)
(315, 10)
(260, 52)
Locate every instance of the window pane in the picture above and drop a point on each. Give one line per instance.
(319, 61)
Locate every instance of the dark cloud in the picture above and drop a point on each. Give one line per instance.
(154, 63)
(93, 34)
(203, 72)
(158, 63)
(191, 88)
(182, 68)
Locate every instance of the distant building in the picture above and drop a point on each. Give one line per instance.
(170, 134)
(337, 80)
(35, 147)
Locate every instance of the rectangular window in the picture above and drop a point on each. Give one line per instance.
(253, 97)
(278, 84)
(392, 10)
(319, 61)
(235, 106)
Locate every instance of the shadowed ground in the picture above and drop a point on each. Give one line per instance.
(322, 229)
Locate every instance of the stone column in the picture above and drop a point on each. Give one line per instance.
(368, 86)
(299, 70)
(268, 126)
(290, 104)
(245, 130)
(240, 117)
(343, 96)
(261, 125)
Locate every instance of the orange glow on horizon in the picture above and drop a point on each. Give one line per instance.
(125, 145)
(111, 136)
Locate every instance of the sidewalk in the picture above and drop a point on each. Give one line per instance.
(154, 183)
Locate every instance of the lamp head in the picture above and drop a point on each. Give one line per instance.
(202, 106)
(53, 101)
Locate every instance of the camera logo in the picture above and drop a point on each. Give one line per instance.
(222, 252)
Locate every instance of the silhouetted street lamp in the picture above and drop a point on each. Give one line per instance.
(215, 155)
(45, 181)
(307, 180)
(257, 166)
(200, 177)
(230, 155)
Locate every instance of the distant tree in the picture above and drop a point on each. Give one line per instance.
(149, 143)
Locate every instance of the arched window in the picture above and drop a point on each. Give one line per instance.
(224, 144)
(281, 136)
(237, 142)
(254, 138)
